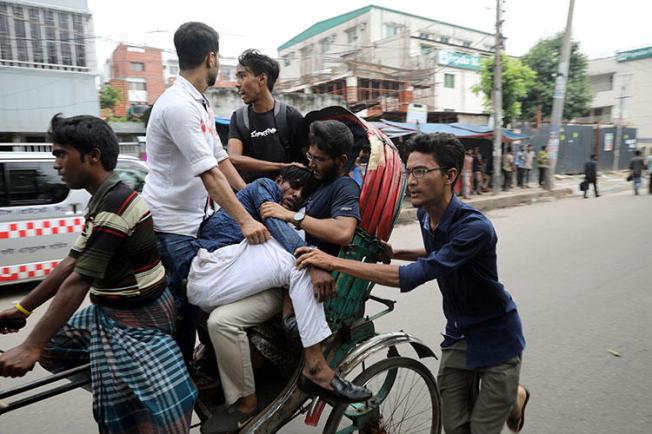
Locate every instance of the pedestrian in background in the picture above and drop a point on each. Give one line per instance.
(508, 169)
(637, 165)
(542, 162)
(649, 171)
(478, 181)
(520, 166)
(591, 175)
(529, 160)
(467, 174)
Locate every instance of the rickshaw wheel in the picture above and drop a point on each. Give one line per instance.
(405, 400)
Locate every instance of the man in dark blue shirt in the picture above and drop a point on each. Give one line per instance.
(483, 339)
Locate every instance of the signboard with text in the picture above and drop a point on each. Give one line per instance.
(457, 59)
(641, 53)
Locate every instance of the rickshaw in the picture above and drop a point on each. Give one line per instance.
(405, 394)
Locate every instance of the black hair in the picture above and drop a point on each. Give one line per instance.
(332, 137)
(593, 156)
(85, 133)
(258, 63)
(299, 177)
(544, 147)
(194, 41)
(637, 152)
(445, 148)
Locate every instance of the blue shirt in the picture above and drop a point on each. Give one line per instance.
(221, 229)
(462, 257)
(339, 198)
(520, 159)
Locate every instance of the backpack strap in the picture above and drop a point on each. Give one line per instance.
(281, 119)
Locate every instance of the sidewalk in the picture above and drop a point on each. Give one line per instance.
(565, 186)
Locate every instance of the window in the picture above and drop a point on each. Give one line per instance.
(51, 37)
(35, 31)
(286, 60)
(78, 31)
(426, 49)
(390, 30)
(137, 85)
(173, 69)
(449, 81)
(602, 82)
(351, 35)
(444, 39)
(5, 39)
(30, 183)
(466, 44)
(20, 34)
(65, 36)
(137, 66)
(424, 35)
(325, 45)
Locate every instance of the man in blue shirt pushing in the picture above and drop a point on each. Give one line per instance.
(483, 340)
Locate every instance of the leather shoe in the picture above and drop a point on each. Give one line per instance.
(343, 390)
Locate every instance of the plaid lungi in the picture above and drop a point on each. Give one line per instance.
(138, 378)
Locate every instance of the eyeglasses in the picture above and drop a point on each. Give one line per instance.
(420, 172)
(317, 160)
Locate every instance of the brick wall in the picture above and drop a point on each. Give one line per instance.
(122, 68)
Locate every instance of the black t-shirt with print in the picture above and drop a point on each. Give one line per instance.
(264, 142)
(340, 197)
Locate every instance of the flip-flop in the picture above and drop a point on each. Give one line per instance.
(521, 420)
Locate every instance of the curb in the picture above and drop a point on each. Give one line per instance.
(409, 213)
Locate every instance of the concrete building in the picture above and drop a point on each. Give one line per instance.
(47, 65)
(140, 69)
(623, 81)
(383, 60)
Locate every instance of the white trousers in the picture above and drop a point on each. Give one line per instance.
(234, 275)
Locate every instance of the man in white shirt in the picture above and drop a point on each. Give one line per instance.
(188, 167)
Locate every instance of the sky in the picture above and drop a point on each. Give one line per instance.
(602, 27)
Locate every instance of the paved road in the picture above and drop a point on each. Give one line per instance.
(581, 274)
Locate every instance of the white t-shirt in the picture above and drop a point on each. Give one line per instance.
(181, 144)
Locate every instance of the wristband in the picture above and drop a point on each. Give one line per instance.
(22, 310)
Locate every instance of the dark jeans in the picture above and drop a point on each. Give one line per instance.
(520, 176)
(650, 184)
(527, 176)
(595, 187)
(507, 180)
(177, 252)
(542, 175)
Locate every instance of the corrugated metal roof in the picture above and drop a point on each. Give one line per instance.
(322, 26)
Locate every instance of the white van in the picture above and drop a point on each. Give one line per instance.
(39, 216)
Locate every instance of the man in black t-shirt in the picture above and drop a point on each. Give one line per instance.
(265, 135)
(332, 212)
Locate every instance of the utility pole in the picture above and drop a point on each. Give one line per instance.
(498, 99)
(558, 99)
(619, 125)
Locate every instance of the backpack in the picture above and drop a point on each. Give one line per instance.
(244, 119)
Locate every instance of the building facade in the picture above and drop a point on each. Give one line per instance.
(140, 69)
(47, 65)
(383, 59)
(622, 89)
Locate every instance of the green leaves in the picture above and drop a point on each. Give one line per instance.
(517, 79)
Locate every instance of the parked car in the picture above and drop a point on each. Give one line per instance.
(40, 217)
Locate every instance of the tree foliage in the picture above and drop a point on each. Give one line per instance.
(109, 97)
(517, 78)
(543, 58)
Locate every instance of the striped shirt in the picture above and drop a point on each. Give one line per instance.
(117, 248)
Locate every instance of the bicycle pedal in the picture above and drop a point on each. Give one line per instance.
(315, 411)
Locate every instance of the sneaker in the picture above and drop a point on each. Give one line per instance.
(227, 420)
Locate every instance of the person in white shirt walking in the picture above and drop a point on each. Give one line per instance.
(189, 168)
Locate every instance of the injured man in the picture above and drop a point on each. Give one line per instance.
(227, 269)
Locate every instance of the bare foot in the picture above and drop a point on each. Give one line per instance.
(320, 374)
